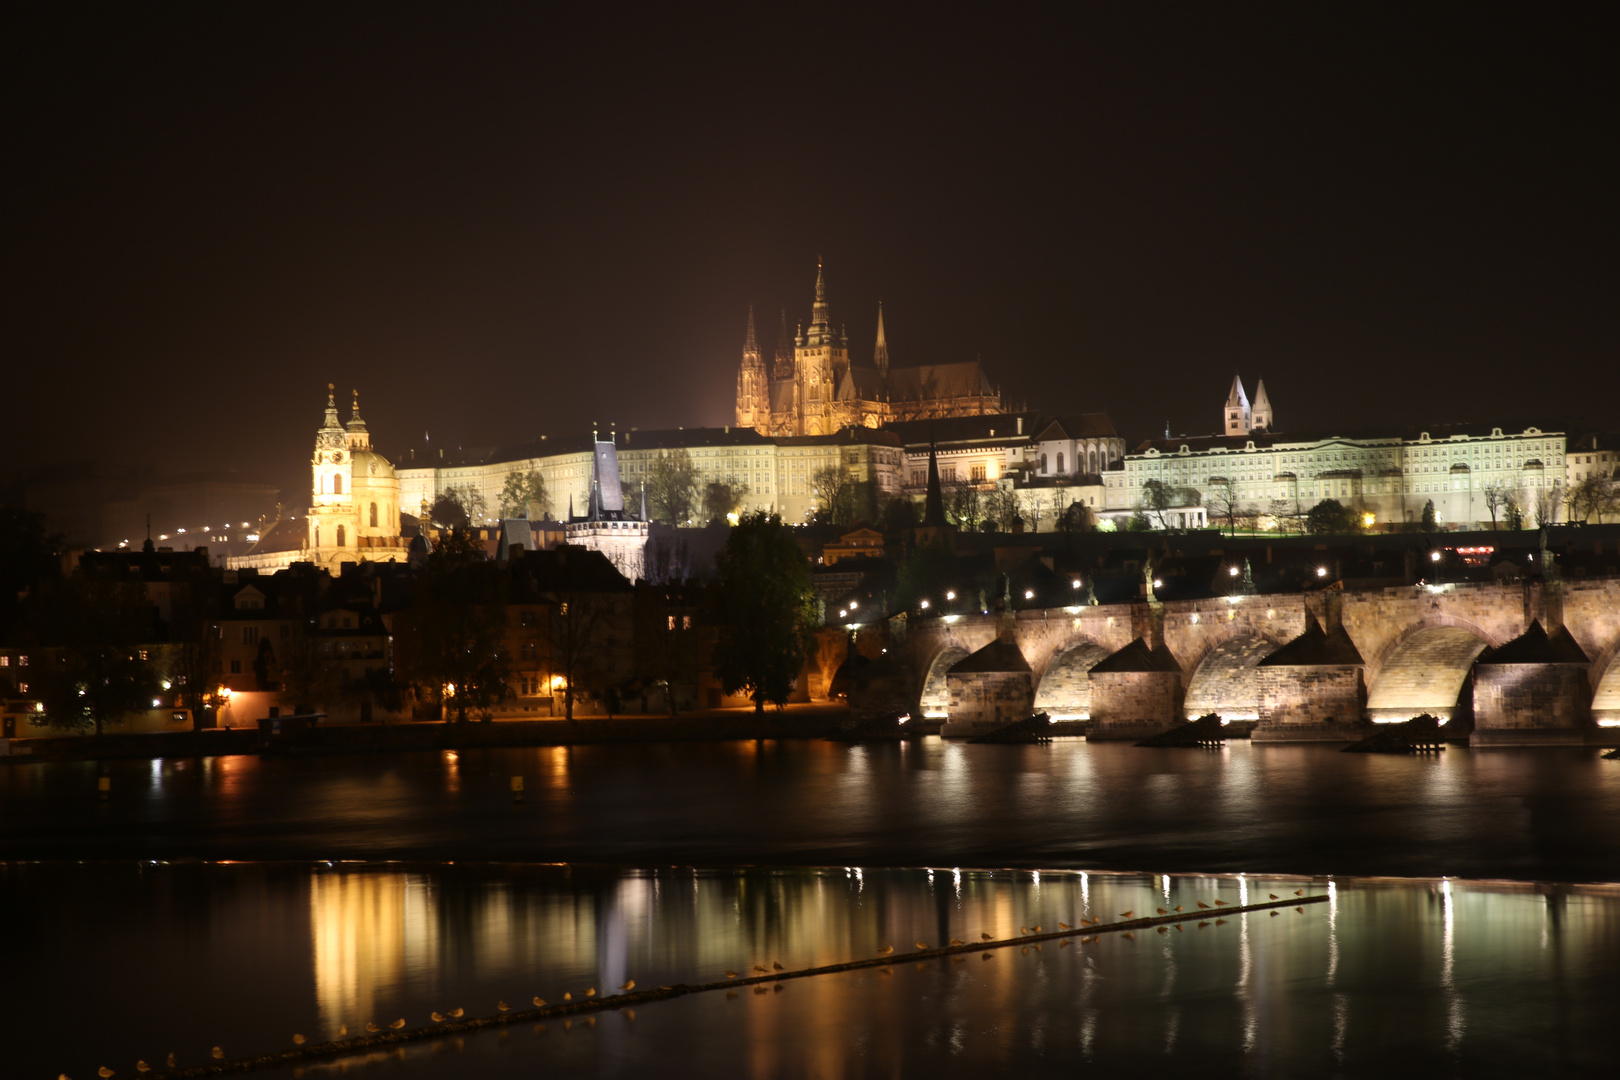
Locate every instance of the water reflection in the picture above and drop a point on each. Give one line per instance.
(1442, 973)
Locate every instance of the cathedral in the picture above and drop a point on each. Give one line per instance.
(813, 388)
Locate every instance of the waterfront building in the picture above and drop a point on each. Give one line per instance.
(820, 390)
(1386, 477)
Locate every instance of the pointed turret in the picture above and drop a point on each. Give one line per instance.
(934, 505)
(1262, 408)
(753, 385)
(880, 355)
(749, 346)
(1238, 417)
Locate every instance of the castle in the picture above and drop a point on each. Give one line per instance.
(817, 390)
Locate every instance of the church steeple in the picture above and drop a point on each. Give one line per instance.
(749, 345)
(784, 350)
(1262, 408)
(934, 505)
(753, 385)
(880, 355)
(1238, 417)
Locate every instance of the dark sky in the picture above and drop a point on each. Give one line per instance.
(499, 222)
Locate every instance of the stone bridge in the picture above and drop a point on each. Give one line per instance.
(1301, 666)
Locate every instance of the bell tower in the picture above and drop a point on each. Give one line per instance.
(753, 385)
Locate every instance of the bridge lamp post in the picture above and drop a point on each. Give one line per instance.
(924, 605)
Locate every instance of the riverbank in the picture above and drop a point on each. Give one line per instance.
(794, 722)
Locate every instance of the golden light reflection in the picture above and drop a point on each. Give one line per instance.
(358, 926)
(554, 766)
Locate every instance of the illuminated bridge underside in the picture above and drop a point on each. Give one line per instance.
(1425, 674)
(1226, 681)
(1606, 702)
(1065, 690)
(936, 696)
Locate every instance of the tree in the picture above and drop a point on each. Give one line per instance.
(1158, 498)
(97, 673)
(1495, 494)
(450, 638)
(901, 515)
(720, 499)
(1280, 513)
(966, 506)
(767, 610)
(1428, 516)
(1595, 495)
(1001, 506)
(672, 487)
(1544, 503)
(1222, 502)
(1330, 516)
(834, 493)
(930, 570)
(524, 495)
(458, 506)
(1513, 510)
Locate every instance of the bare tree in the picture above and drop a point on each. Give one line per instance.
(834, 490)
(524, 495)
(1222, 502)
(1544, 503)
(672, 487)
(966, 506)
(1496, 499)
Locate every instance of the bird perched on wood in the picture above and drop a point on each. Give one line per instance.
(219, 1055)
(1299, 892)
(731, 974)
(1164, 911)
(1178, 907)
(984, 937)
(1127, 914)
(1274, 896)
(920, 945)
(777, 965)
(397, 1024)
(568, 995)
(628, 984)
(373, 1028)
(458, 1012)
(539, 1002)
(1063, 926)
(1037, 929)
(1023, 929)
(1094, 920)
(437, 1018)
(591, 992)
(298, 1040)
(955, 942)
(1202, 904)
(759, 970)
(886, 950)
(502, 1006)
(1221, 903)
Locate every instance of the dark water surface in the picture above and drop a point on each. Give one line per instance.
(1533, 815)
(107, 963)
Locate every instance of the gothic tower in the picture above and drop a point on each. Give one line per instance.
(820, 354)
(753, 387)
(1262, 408)
(1239, 418)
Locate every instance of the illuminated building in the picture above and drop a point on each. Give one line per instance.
(606, 525)
(821, 391)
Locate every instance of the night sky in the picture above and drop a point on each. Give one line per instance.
(500, 222)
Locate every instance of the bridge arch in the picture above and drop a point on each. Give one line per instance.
(1606, 687)
(1427, 670)
(1065, 690)
(1226, 679)
(935, 700)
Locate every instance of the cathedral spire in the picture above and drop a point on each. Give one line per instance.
(749, 347)
(880, 355)
(819, 316)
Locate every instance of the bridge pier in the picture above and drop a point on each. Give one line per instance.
(1135, 693)
(1533, 691)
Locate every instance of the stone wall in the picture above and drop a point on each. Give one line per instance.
(1531, 705)
(983, 701)
(1311, 703)
(1134, 704)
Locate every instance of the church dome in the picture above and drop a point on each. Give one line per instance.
(369, 463)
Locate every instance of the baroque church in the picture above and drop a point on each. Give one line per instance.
(813, 388)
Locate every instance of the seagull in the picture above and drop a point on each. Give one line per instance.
(1221, 903)
(502, 1006)
(629, 984)
(955, 942)
(777, 964)
(1202, 904)
(539, 1002)
(397, 1024)
(437, 1018)
(920, 945)
(298, 1040)
(1127, 914)
(759, 970)
(886, 950)
(219, 1055)
(984, 937)
(1164, 911)
(458, 1012)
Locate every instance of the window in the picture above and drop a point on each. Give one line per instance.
(1060, 462)
(337, 483)
(373, 515)
(236, 667)
(22, 661)
(686, 622)
(527, 650)
(250, 635)
(5, 661)
(142, 654)
(340, 536)
(672, 622)
(1043, 463)
(977, 472)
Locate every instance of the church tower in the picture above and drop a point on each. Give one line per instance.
(753, 387)
(1262, 408)
(354, 494)
(1239, 417)
(820, 355)
(880, 355)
